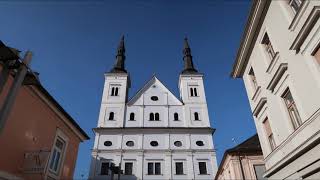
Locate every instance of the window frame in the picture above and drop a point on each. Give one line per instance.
(114, 90)
(111, 116)
(253, 79)
(270, 136)
(107, 169)
(196, 116)
(156, 116)
(130, 170)
(130, 143)
(49, 172)
(177, 143)
(155, 145)
(200, 143)
(297, 2)
(179, 171)
(132, 116)
(203, 171)
(291, 107)
(151, 116)
(154, 170)
(193, 91)
(176, 116)
(268, 46)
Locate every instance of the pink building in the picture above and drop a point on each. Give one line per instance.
(244, 161)
(39, 139)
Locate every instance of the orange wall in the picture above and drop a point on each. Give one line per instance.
(32, 126)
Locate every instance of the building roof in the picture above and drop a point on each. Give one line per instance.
(256, 17)
(32, 79)
(250, 145)
(247, 147)
(7, 53)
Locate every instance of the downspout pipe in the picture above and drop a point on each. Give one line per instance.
(241, 167)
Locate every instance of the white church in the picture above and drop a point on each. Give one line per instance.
(153, 135)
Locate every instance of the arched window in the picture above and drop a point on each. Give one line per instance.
(151, 117)
(112, 91)
(176, 116)
(111, 116)
(131, 116)
(116, 91)
(157, 117)
(191, 91)
(195, 91)
(196, 116)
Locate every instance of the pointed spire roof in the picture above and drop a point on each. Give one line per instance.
(119, 66)
(187, 58)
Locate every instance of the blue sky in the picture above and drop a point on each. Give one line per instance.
(74, 43)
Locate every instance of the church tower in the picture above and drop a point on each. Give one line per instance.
(192, 91)
(153, 135)
(114, 97)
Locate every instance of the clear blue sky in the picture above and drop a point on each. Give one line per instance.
(74, 43)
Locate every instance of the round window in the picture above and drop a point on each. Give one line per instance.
(154, 98)
(154, 143)
(130, 143)
(107, 143)
(178, 143)
(200, 143)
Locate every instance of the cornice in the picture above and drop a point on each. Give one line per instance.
(256, 17)
(153, 129)
(312, 19)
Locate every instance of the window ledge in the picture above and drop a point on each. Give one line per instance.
(180, 174)
(305, 30)
(259, 106)
(274, 60)
(203, 174)
(298, 15)
(256, 93)
(277, 76)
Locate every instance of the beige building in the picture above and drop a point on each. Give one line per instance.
(244, 161)
(279, 61)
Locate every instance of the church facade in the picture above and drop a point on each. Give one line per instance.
(154, 135)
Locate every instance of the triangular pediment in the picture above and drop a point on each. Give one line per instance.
(154, 93)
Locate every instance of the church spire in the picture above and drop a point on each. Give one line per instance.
(187, 58)
(120, 58)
